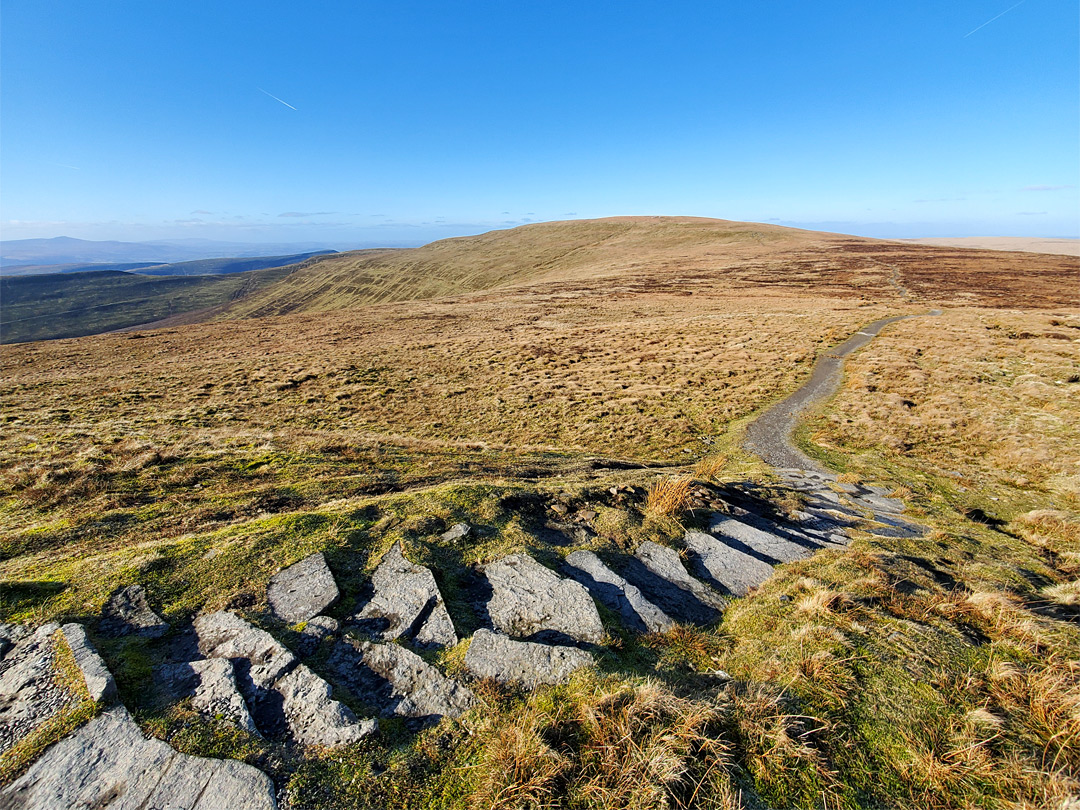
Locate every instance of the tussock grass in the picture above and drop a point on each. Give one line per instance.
(669, 496)
(604, 744)
(712, 466)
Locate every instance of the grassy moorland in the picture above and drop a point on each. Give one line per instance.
(933, 672)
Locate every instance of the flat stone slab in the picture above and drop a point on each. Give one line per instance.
(727, 567)
(281, 693)
(128, 613)
(770, 546)
(99, 681)
(29, 693)
(663, 578)
(108, 763)
(533, 602)
(613, 591)
(302, 590)
(492, 655)
(211, 685)
(406, 602)
(398, 682)
(314, 718)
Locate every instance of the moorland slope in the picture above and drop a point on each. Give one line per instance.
(550, 408)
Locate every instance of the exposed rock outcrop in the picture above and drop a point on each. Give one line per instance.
(280, 692)
(29, 693)
(128, 613)
(727, 567)
(109, 763)
(397, 682)
(533, 602)
(492, 655)
(302, 590)
(99, 681)
(211, 685)
(613, 591)
(406, 602)
(662, 577)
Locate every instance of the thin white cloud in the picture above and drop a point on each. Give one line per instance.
(1045, 188)
(307, 213)
(275, 98)
(998, 17)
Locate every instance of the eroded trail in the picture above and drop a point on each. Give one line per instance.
(769, 436)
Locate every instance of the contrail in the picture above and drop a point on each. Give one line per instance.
(1002, 14)
(291, 107)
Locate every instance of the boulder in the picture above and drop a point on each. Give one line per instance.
(128, 613)
(406, 602)
(109, 763)
(397, 682)
(302, 590)
(533, 602)
(492, 655)
(618, 595)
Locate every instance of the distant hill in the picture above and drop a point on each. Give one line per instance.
(65, 250)
(531, 253)
(197, 267)
(61, 305)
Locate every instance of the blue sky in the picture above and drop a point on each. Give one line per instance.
(403, 122)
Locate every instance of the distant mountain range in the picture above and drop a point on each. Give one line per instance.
(20, 256)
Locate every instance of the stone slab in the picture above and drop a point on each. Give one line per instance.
(663, 578)
(128, 613)
(492, 655)
(406, 602)
(613, 591)
(769, 546)
(302, 590)
(108, 763)
(532, 602)
(99, 681)
(278, 689)
(726, 567)
(397, 682)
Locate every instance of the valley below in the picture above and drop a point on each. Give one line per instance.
(547, 433)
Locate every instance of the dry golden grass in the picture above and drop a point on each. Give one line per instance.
(711, 466)
(988, 397)
(606, 746)
(670, 496)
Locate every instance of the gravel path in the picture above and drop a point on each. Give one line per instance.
(769, 436)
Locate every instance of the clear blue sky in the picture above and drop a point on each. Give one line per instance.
(409, 121)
